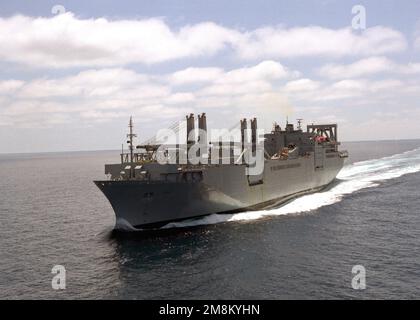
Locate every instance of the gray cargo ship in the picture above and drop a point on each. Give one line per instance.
(146, 193)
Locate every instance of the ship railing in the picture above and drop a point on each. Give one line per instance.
(137, 157)
(225, 152)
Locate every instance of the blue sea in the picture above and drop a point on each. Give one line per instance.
(51, 214)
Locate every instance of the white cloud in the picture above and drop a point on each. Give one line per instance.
(259, 78)
(180, 98)
(366, 67)
(309, 91)
(101, 95)
(359, 68)
(301, 85)
(22, 108)
(68, 41)
(417, 36)
(10, 86)
(195, 75)
(361, 88)
(104, 94)
(218, 82)
(230, 89)
(384, 125)
(266, 70)
(410, 68)
(384, 85)
(318, 41)
(117, 82)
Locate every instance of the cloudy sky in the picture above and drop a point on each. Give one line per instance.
(72, 72)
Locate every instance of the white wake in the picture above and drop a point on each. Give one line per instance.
(352, 178)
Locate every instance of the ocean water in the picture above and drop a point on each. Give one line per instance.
(51, 213)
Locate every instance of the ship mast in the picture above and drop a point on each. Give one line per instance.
(130, 136)
(299, 124)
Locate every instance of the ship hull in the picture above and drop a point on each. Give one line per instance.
(223, 189)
